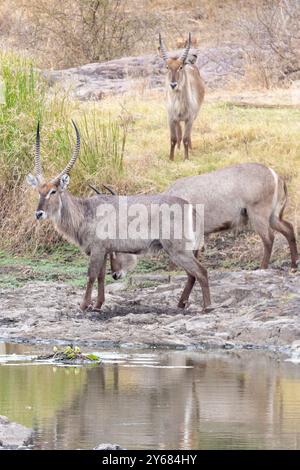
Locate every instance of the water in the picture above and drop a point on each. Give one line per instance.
(155, 400)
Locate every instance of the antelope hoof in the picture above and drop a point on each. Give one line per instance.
(97, 308)
(90, 308)
(208, 309)
(93, 308)
(84, 307)
(182, 303)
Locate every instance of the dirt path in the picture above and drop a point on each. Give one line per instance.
(257, 308)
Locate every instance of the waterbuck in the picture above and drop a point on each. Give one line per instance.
(235, 195)
(185, 94)
(86, 222)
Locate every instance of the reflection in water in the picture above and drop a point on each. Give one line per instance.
(160, 400)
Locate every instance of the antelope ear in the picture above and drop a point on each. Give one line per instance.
(191, 59)
(64, 181)
(32, 181)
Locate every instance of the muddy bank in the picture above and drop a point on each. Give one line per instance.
(257, 308)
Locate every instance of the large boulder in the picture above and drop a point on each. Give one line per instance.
(218, 65)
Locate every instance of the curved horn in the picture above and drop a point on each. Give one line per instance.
(163, 49)
(110, 190)
(38, 164)
(186, 49)
(71, 163)
(95, 189)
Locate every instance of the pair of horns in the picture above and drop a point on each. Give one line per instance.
(104, 186)
(68, 168)
(184, 54)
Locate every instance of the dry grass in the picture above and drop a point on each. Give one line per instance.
(65, 34)
(222, 135)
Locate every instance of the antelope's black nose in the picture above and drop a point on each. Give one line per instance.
(173, 85)
(39, 214)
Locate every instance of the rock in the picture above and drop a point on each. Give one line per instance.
(13, 435)
(296, 346)
(218, 65)
(108, 447)
(294, 352)
(115, 287)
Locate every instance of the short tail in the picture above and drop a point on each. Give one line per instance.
(279, 197)
(285, 199)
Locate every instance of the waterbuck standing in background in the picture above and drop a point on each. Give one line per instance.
(77, 219)
(185, 94)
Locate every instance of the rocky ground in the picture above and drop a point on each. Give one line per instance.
(252, 308)
(218, 66)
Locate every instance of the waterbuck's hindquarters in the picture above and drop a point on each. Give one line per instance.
(287, 230)
(267, 218)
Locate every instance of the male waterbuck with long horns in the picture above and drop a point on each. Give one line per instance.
(185, 94)
(101, 225)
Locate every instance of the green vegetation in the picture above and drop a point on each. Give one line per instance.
(17, 271)
(71, 355)
(69, 266)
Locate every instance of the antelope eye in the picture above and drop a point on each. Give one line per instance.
(181, 67)
(53, 192)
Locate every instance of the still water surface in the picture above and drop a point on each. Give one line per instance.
(155, 399)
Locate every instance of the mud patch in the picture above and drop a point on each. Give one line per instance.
(258, 308)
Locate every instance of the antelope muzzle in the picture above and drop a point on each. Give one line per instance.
(40, 215)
